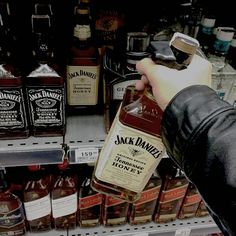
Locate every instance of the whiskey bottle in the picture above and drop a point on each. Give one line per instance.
(190, 203)
(37, 201)
(133, 146)
(64, 198)
(172, 193)
(12, 218)
(142, 210)
(83, 67)
(90, 203)
(115, 211)
(13, 118)
(45, 83)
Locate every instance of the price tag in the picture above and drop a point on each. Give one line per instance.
(183, 232)
(86, 155)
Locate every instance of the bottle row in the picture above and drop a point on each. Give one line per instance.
(61, 197)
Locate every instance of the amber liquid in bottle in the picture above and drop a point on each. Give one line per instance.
(83, 68)
(64, 199)
(37, 201)
(12, 218)
(45, 85)
(90, 203)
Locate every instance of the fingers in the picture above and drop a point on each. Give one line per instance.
(142, 65)
(140, 85)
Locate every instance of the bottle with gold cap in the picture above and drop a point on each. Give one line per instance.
(133, 146)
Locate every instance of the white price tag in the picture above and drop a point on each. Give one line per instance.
(86, 155)
(183, 232)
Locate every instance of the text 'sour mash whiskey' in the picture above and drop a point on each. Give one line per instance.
(133, 147)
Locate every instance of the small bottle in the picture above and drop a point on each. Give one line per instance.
(13, 117)
(133, 147)
(64, 198)
(37, 202)
(90, 203)
(12, 218)
(45, 87)
(83, 67)
(115, 211)
(141, 211)
(172, 193)
(190, 203)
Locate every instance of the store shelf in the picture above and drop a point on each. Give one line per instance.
(30, 151)
(85, 133)
(196, 226)
(49, 233)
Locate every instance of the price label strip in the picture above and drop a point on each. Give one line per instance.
(86, 155)
(183, 232)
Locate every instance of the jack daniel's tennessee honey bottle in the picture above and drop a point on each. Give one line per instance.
(133, 147)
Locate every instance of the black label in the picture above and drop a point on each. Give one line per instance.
(46, 106)
(12, 111)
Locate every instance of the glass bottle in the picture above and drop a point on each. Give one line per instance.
(83, 67)
(45, 83)
(12, 218)
(64, 198)
(133, 147)
(90, 203)
(174, 188)
(37, 200)
(13, 117)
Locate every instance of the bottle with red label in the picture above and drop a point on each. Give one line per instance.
(142, 210)
(64, 198)
(12, 218)
(115, 211)
(172, 193)
(37, 200)
(190, 203)
(90, 203)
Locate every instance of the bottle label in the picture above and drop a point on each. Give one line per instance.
(12, 218)
(207, 30)
(44, 70)
(90, 201)
(64, 206)
(111, 201)
(193, 199)
(38, 208)
(128, 157)
(119, 89)
(47, 106)
(82, 85)
(12, 111)
(82, 32)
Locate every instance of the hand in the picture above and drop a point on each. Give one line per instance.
(167, 82)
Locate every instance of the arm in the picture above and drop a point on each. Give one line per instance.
(199, 132)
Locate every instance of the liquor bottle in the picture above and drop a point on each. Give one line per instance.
(13, 117)
(172, 193)
(133, 146)
(190, 203)
(142, 210)
(45, 83)
(64, 198)
(37, 201)
(83, 67)
(90, 203)
(115, 211)
(12, 218)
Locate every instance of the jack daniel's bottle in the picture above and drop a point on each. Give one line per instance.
(133, 147)
(44, 84)
(83, 67)
(13, 120)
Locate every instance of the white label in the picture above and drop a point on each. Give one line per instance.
(183, 232)
(38, 208)
(64, 206)
(86, 155)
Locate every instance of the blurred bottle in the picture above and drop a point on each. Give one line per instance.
(12, 218)
(37, 201)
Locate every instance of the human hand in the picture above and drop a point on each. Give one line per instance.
(167, 82)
